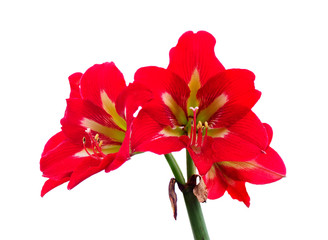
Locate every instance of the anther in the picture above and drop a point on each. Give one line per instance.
(97, 137)
(206, 124)
(199, 125)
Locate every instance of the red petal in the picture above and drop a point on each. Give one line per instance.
(77, 112)
(61, 160)
(87, 168)
(237, 190)
(123, 154)
(134, 96)
(74, 81)
(53, 142)
(236, 89)
(245, 140)
(195, 51)
(102, 78)
(161, 81)
(204, 156)
(216, 186)
(266, 168)
(51, 184)
(217, 183)
(269, 132)
(148, 135)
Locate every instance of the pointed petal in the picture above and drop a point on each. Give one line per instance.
(195, 51)
(51, 184)
(102, 78)
(266, 168)
(237, 190)
(215, 183)
(244, 140)
(53, 142)
(169, 91)
(227, 97)
(61, 160)
(82, 114)
(149, 135)
(87, 168)
(74, 82)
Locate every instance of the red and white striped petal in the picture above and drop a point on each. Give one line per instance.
(83, 114)
(102, 79)
(227, 97)
(242, 141)
(195, 51)
(266, 168)
(101, 84)
(149, 135)
(169, 92)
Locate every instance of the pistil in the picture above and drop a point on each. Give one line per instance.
(196, 131)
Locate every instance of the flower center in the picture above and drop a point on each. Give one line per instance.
(198, 133)
(96, 144)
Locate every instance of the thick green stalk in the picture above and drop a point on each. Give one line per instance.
(194, 209)
(195, 214)
(191, 169)
(175, 169)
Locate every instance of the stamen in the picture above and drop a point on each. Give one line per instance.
(96, 144)
(85, 148)
(200, 136)
(97, 137)
(193, 129)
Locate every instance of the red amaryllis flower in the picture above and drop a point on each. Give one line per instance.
(95, 130)
(200, 105)
(196, 101)
(230, 175)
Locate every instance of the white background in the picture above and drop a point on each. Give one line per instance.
(41, 43)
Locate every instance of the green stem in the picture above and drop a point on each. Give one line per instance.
(194, 209)
(191, 169)
(175, 169)
(195, 214)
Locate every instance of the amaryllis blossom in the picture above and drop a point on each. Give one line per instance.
(199, 105)
(95, 129)
(231, 175)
